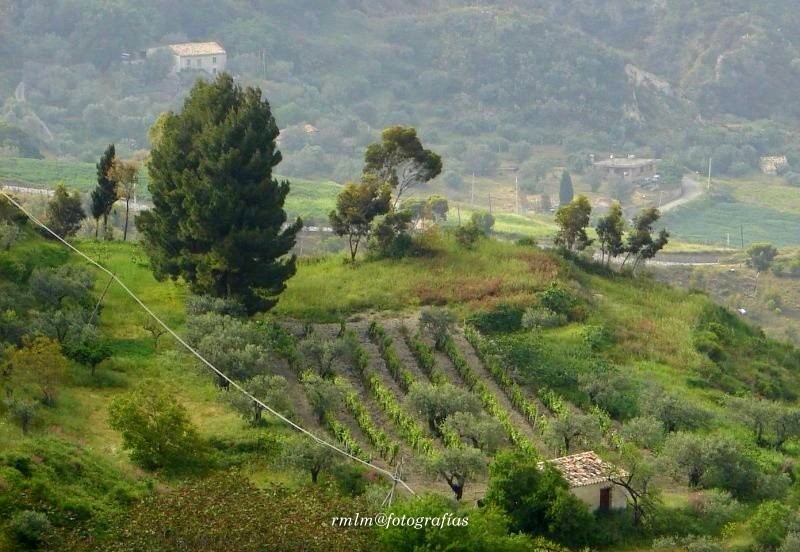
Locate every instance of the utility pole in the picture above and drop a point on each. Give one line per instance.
(472, 197)
(490, 203)
(741, 228)
(458, 208)
(515, 170)
(99, 301)
(389, 497)
(708, 186)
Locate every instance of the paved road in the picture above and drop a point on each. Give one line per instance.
(691, 189)
(135, 207)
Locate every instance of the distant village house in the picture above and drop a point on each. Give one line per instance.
(627, 168)
(204, 56)
(589, 479)
(772, 164)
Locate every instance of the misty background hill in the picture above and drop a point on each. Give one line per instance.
(486, 83)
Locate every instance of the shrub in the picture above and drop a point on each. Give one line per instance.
(791, 543)
(527, 242)
(717, 508)
(542, 317)
(22, 411)
(761, 255)
(12, 270)
(503, 318)
(611, 390)
(484, 221)
(703, 544)
(769, 525)
(350, 479)
(792, 178)
(467, 235)
(202, 304)
(644, 431)
(707, 342)
(597, 337)
(560, 301)
(29, 528)
(156, 429)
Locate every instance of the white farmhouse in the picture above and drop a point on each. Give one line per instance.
(206, 56)
(589, 479)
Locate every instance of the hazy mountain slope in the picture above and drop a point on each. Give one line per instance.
(478, 80)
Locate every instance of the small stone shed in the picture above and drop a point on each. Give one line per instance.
(627, 168)
(589, 479)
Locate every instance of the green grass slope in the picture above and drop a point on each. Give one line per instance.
(635, 332)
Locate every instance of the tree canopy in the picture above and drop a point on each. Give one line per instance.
(566, 193)
(573, 219)
(400, 160)
(357, 205)
(218, 218)
(105, 193)
(64, 212)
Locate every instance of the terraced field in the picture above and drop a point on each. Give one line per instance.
(378, 364)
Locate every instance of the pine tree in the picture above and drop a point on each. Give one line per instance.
(218, 215)
(565, 191)
(105, 193)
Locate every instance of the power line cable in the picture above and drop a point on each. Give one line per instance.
(393, 476)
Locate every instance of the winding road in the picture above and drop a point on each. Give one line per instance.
(690, 190)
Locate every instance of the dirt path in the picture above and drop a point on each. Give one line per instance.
(403, 351)
(303, 413)
(379, 366)
(691, 189)
(520, 422)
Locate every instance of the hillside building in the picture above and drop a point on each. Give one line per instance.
(627, 168)
(772, 164)
(210, 57)
(589, 479)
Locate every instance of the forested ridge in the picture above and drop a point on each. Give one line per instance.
(477, 80)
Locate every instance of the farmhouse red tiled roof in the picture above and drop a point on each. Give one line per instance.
(585, 468)
(197, 49)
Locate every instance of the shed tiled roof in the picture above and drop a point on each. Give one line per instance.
(625, 163)
(197, 49)
(585, 468)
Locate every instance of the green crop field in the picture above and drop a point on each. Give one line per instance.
(46, 173)
(311, 200)
(762, 209)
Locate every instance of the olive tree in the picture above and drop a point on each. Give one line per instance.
(458, 466)
(438, 323)
(270, 390)
(436, 402)
(306, 454)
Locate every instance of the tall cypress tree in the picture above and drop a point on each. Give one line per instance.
(105, 193)
(565, 191)
(218, 215)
